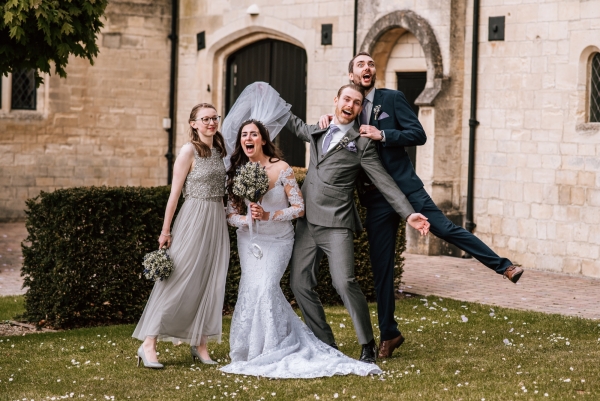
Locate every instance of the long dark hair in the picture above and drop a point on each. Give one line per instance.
(202, 148)
(239, 158)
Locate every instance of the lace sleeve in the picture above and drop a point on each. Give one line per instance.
(233, 217)
(294, 196)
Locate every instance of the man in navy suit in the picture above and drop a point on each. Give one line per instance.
(388, 119)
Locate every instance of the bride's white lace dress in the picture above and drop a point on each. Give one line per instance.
(267, 338)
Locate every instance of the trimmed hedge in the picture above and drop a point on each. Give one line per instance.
(83, 261)
(83, 267)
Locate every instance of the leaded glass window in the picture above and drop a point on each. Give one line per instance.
(595, 90)
(23, 90)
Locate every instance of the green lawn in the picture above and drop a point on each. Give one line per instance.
(454, 351)
(11, 306)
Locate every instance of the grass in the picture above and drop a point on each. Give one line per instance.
(454, 351)
(11, 306)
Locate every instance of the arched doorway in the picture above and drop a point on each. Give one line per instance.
(283, 66)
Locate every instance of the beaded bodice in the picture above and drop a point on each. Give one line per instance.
(206, 181)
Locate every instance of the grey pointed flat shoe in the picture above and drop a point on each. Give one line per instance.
(141, 356)
(195, 354)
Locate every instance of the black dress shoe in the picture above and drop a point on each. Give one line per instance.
(334, 346)
(368, 352)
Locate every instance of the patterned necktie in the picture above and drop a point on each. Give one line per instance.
(327, 140)
(364, 117)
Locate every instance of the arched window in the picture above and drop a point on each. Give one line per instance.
(595, 89)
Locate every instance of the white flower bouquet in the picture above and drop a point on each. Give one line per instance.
(157, 265)
(251, 181)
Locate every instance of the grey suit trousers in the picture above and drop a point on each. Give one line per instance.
(312, 241)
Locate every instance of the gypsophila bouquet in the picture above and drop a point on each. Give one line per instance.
(157, 265)
(251, 181)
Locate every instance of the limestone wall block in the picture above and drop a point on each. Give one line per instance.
(593, 197)
(572, 265)
(551, 161)
(541, 211)
(508, 227)
(549, 263)
(583, 250)
(590, 268)
(518, 245)
(532, 119)
(573, 162)
(564, 195)
(587, 178)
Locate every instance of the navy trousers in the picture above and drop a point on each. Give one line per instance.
(382, 227)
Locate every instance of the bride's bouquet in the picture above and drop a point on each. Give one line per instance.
(157, 265)
(251, 182)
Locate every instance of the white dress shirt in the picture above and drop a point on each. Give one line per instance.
(338, 135)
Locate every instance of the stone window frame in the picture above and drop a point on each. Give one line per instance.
(583, 125)
(42, 93)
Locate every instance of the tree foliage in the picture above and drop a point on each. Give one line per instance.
(36, 33)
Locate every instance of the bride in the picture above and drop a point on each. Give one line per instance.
(267, 338)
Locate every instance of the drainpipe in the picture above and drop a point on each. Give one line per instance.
(473, 123)
(355, 26)
(171, 130)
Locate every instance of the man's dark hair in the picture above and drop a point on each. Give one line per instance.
(351, 64)
(355, 87)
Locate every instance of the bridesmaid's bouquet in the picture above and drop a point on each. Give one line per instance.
(251, 181)
(157, 265)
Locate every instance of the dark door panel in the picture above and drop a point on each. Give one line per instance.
(412, 84)
(283, 66)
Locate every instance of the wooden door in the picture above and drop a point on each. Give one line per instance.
(283, 66)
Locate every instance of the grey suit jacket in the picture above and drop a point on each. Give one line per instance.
(329, 184)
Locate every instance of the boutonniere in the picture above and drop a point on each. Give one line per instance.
(346, 143)
(377, 110)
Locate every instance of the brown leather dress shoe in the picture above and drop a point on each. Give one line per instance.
(387, 347)
(513, 273)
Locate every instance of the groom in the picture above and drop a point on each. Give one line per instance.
(337, 155)
(389, 121)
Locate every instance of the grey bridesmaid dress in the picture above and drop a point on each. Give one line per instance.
(187, 307)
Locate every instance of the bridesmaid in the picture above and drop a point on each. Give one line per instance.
(187, 307)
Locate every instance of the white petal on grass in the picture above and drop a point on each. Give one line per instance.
(464, 318)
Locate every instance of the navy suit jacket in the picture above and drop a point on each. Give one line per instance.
(402, 128)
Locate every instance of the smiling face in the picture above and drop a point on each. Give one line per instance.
(205, 130)
(252, 141)
(363, 72)
(348, 105)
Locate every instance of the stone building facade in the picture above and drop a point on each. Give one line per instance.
(537, 153)
(102, 125)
